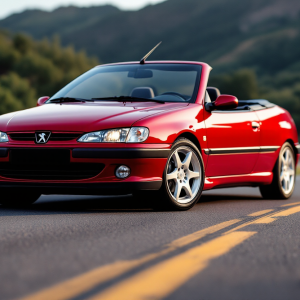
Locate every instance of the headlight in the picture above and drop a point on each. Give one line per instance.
(3, 137)
(106, 136)
(121, 135)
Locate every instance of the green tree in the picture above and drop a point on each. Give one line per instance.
(8, 102)
(22, 43)
(242, 84)
(20, 89)
(30, 69)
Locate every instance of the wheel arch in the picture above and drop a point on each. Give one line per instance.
(291, 142)
(192, 138)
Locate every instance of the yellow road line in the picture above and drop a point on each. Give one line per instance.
(265, 220)
(162, 279)
(259, 213)
(290, 204)
(84, 282)
(268, 219)
(201, 233)
(287, 212)
(262, 220)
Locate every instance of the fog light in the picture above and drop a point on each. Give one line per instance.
(123, 172)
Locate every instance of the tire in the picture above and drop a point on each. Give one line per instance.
(284, 176)
(183, 180)
(18, 199)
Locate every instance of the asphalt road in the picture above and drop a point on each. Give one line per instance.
(231, 245)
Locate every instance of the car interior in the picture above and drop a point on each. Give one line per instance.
(143, 92)
(245, 105)
(148, 93)
(211, 96)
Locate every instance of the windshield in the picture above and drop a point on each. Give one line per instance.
(165, 82)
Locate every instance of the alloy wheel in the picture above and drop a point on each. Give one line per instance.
(287, 171)
(183, 175)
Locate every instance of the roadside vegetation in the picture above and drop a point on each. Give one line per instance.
(30, 69)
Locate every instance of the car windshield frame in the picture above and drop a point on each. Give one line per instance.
(159, 66)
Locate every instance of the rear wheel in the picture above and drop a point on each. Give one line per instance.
(283, 184)
(183, 179)
(12, 198)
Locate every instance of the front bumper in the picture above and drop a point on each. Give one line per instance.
(147, 165)
(101, 188)
(120, 153)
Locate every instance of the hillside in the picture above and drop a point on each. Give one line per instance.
(260, 36)
(62, 21)
(216, 31)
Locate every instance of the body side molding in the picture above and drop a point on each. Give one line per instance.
(240, 150)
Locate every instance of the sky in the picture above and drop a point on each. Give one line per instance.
(9, 7)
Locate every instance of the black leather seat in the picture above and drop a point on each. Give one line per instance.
(143, 92)
(213, 93)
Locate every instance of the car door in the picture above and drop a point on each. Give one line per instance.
(233, 140)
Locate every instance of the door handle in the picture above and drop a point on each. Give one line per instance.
(255, 125)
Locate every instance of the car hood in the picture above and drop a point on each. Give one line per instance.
(82, 117)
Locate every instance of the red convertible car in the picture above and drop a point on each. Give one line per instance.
(151, 129)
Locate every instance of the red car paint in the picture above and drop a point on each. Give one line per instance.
(227, 101)
(213, 132)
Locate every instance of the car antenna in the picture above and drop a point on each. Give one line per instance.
(142, 61)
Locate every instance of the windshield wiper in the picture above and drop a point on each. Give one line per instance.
(130, 99)
(69, 99)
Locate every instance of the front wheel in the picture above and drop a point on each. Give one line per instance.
(18, 199)
(183, 179)
(283, 184)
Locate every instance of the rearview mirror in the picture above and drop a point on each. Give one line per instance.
(140, 74)
(42, 100)
(223, 102)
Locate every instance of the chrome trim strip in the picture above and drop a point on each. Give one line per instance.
(241, 150)
(241, 175)
(269, 148)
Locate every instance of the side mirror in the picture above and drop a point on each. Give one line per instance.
(42, 100)
(223, 102)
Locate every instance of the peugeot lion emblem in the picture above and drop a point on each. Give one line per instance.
(42, 137)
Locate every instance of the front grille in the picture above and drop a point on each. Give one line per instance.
(46, 164)
(55, 136)
(22, 136)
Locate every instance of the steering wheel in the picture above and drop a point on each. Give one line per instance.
(174, 94)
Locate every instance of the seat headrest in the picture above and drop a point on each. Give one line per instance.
(213, 93)
(143, 92)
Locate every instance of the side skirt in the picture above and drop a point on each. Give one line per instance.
(254, 179)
